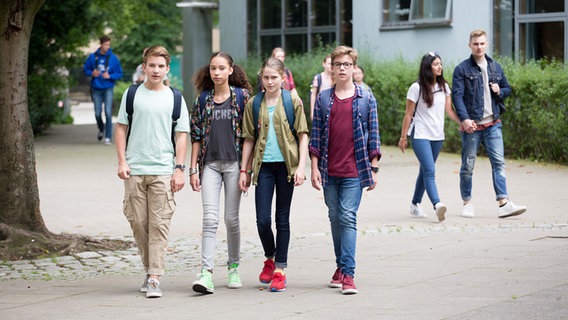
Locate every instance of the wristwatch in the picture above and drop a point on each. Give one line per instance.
(180, 166)
(375, 169)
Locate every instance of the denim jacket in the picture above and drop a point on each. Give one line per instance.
(467, 91)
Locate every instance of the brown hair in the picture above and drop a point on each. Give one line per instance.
(275, 64)
(202, 78)
(344, 50)
(104, 39)
(157, 51)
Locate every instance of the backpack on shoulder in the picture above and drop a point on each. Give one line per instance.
(362, 105)
(288, 107)
(175, 113)
(238, 93)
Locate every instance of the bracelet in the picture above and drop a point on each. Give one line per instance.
(246, 171)
(402, 138)
(192, 171)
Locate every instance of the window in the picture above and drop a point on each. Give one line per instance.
(298, 25)
(544, 40)
(540, 29)
(416, 13)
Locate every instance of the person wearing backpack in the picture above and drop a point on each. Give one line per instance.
(345, 151)
(216, 121)
(149, 163)
(275, 126)
(104, 69)
(321, 81)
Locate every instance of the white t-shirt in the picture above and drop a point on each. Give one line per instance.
(429, 122)
(150, 150)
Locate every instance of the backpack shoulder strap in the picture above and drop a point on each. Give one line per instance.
(318, 78)
(175, 114)
(325, 97)
(239, 92)
(202, 100)
(256, 110)
(289, 108)
(130, 107)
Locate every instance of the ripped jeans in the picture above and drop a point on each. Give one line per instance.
(492, 140)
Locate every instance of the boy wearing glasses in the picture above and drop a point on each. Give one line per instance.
(345, 151)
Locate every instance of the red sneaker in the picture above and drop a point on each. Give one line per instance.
(267, 272)
(336, 279)
(278, 282)
(348, 286)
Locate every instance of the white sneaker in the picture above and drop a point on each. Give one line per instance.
(153, 290)
(441, 211)
(510, 209)
(467, 211)
(417, 211)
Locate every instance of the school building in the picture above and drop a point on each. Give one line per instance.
(523, 29)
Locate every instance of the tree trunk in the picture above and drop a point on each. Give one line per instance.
(19, 194)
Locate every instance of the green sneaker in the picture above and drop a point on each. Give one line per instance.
(204, 284)
(234, 278)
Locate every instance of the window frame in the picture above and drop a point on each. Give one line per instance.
(412, 23)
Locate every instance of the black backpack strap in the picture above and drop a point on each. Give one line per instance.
(130, 108)
(175, 114)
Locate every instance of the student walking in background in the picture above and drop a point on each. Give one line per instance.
(279, 157)
(480, 86)
(288, 83)
(426, 101)
(359, 77)
(216, 124)
(322, 81)
(345, 151)
(150, 164)
(104, 69)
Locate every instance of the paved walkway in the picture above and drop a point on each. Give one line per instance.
(481, 268)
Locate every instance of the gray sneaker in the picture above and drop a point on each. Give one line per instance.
(153, 289)
(144, 287)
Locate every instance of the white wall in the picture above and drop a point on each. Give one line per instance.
(451, 42)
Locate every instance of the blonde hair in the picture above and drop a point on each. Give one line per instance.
(477, 33)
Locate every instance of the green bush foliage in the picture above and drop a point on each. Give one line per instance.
(535, 126)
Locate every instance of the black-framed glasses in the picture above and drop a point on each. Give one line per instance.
(347, 65)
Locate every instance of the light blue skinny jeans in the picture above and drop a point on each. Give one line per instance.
(215, 175)
(427, 152)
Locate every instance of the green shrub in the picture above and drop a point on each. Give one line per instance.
(535, 127)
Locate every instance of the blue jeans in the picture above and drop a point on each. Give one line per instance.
(270, 176)
(427, 152)
(492, 140)
(100, 97)
(342, 197)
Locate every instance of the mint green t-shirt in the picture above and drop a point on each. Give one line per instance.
(150, 150)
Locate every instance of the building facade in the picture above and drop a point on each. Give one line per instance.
(522, 29)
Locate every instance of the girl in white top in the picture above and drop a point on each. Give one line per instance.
(426, 101)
